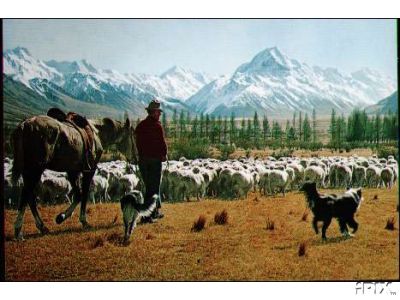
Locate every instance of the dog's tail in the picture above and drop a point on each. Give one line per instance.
(145, 209)
(134, 202)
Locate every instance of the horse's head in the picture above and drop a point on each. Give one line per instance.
(126, 144)
(120, 135)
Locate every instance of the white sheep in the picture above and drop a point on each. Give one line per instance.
(343, 176)
(387, 176)
(373, 176)
(54, 188)
(99, 189)
(315, 174)
(359, 176)
(241, 183)
(278, 180)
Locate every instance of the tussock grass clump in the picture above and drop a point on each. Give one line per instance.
(270, 224)
(375, 197)
(199, 224)
(221, 218)
(302, 249)
(115, 220)
(150, 236)
(98, 242)
(390, 223)
(304, 216)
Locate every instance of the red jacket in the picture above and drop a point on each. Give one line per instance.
(150, 141)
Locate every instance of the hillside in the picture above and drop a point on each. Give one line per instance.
(21, 102)
(385, 105)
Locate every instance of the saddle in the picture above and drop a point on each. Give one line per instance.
(81, 124)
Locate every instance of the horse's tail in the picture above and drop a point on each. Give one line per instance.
(18, 151)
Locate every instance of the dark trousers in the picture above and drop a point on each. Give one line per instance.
(150, 169)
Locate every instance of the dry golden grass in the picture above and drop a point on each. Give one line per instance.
(241, 250)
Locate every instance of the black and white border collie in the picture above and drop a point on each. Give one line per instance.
(133, 207)
(328, 206)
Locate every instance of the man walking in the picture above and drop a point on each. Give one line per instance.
(152, 150)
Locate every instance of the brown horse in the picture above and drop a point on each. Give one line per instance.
(42, 142)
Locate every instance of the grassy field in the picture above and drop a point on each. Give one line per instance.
(242, 249)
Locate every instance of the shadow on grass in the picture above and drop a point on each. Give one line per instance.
(313, 242)
(332, 240)
(65, 231)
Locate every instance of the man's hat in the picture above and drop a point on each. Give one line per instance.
(154, 105)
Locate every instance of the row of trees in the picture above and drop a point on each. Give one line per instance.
(245, 133)
(359, 130)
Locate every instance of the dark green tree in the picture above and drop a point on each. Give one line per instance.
(378, 128)
(202, 125)
(266, 129)
(232, 129)
(207, 125)
(332, 129)
(314, 126)
(195, 124)
(300, 127)
(175, 124)
(164, 123)
(307, 132)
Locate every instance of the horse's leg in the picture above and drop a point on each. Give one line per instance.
(74, 180)
(86, 180)
(20, 217)
(31, 179)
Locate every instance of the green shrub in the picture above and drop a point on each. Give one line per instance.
(226, 150)
(191, 149)
(282, 153)
(385, 151)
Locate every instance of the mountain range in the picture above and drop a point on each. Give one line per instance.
(389, 104)
(271, 83)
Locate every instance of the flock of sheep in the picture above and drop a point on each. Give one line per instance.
(231, 179)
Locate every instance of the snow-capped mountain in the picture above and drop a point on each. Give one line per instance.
(21, 66)
(83, 81)
(274, 84)
(271, 83)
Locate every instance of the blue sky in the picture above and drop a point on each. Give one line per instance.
(214, 46)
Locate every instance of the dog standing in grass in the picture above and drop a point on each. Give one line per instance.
(328, 206)
(133, 207)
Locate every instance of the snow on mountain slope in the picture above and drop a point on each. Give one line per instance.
(78, 77)
(20, 65)
(270, 83)
(274, 84)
